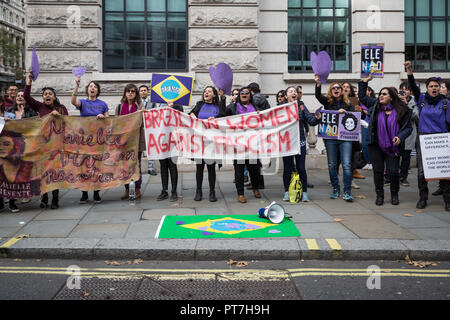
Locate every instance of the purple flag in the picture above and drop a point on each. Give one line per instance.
(321, 65)
(35, 66)
(222, 77)
(78, 71)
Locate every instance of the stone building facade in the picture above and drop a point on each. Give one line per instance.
(12, 20)
(252, 36)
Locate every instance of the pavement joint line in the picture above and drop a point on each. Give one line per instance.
(14, 240)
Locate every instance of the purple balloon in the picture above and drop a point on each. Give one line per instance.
(321, 65)
(35, 66)
(222, 77)
(78, 71)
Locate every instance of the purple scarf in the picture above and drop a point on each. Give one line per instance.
(388, 130)
(240, 109)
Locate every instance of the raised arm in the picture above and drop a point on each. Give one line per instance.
(74, 100)
(412, 82)
(367, 101)
(34, 104)
(321, 98)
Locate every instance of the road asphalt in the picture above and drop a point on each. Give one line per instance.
(330, 229)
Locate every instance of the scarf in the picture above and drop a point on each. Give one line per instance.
(434, 100)
(126, 108)
(240, 109)
(388, 130)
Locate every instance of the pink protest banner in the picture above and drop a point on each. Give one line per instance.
(270, 133)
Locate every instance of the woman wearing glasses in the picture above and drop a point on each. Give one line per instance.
(244, 104)
(337, 100)
(51, 105)
(210, 107)
(389, 126)
(130, 103)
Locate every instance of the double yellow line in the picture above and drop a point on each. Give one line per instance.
(226, 274)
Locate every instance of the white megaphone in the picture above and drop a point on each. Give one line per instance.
(274, 212)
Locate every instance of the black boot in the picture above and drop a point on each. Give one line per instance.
(55, 199)
(438, 192)
(421, 204)
(198, 195)
(380, 200)
(212, 196)
(394, 199)
(44, 201)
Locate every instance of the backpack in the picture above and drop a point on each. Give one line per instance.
(295, 188)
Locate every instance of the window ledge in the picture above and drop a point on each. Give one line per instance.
(136, 76)
(293, 77)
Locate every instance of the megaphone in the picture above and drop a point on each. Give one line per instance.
(274, 212)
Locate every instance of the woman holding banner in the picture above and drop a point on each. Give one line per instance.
(434, 117)
(213, 105)
(131, 102)
(90, 107)
(244, 105)
(338, 101)
(300, 159)
(51, 105)
(389, 126)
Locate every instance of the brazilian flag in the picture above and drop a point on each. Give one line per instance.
(171, 88)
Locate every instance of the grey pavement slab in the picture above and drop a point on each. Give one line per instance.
(414, 220)
(431, 233)
(64, 213)
(112, 216)
(341, 207)
(49, 229)
(428, 249)
(157, 214)
(325, 230)
(374, 227)
(8, 231)
(106, 230)
(142, 229)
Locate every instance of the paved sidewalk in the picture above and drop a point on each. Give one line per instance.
(331, 229)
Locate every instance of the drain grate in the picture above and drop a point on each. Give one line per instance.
(148, 287)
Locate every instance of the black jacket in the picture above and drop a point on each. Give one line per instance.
(332, 105)
(371, 104)
(199, 105)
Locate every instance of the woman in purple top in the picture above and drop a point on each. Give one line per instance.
(212, 106)
(51, 105)
(434, 117)
(244, 104)
(90, 107)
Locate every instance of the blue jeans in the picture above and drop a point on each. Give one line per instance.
(299, 166)
(345, 150)
(365, 147)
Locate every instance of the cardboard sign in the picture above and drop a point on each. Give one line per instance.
(169, 88)
(340, 126)
(435, 150)
(372, 60)
(270, 133)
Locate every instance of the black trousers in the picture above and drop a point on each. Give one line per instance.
(168, 166)
(423, 184)
(378, 159)
(254, 171)
(211, 175)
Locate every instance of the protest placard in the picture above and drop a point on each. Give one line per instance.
(171, 88)
(340, 126)
(435, 150)
(372, 60)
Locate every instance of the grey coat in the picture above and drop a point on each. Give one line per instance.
(410, 142)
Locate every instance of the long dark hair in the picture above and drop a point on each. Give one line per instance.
(56, 104)
(396, 103)
(14, 107)
(215, 99)
(137, 100)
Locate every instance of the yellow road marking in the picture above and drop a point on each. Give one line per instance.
(362, 274)
(334, 244)
(12, 241)
(312, 244)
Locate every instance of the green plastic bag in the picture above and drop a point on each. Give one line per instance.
(295, 188)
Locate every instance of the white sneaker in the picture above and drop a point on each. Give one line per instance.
(355, 186)
(286, 196)
(366, 167)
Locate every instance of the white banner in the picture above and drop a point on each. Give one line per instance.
(271, 133)
(436, 155)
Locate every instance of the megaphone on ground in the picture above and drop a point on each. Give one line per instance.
(274, 212)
